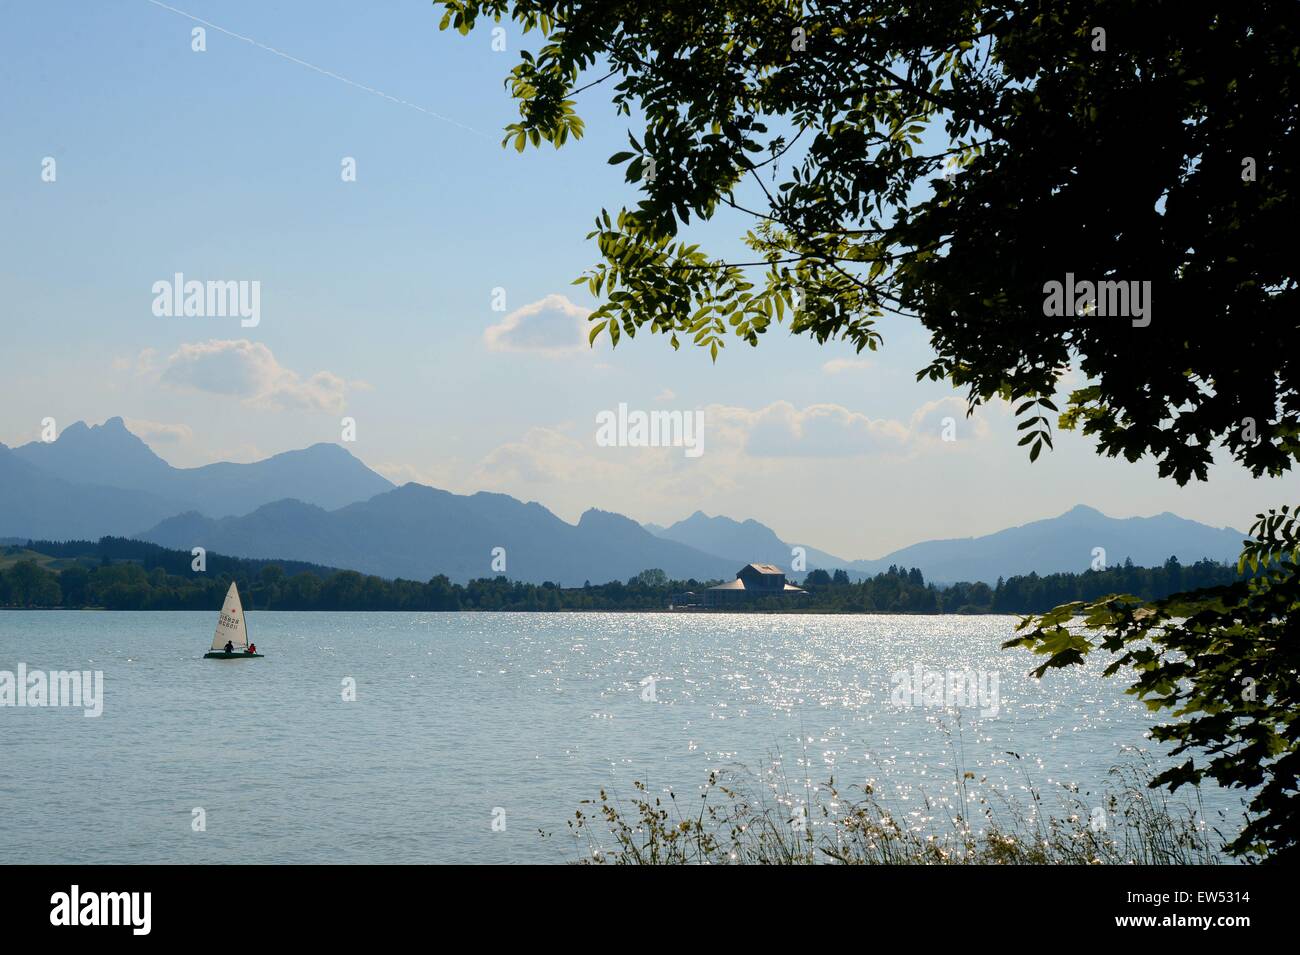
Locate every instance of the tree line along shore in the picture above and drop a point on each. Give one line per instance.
(122, 574)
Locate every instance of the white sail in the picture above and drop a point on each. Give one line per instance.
(230, 625)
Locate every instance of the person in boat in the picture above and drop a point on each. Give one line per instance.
(230, 646)
(252, 648)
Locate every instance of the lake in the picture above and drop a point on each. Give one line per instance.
(463, 720)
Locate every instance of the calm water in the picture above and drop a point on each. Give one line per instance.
(458, 715)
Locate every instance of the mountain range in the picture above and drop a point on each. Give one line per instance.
(415, 532)
(322, 505)
(109, 455)
(1054, 545)
(743, 541)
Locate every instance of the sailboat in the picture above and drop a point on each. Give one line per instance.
(231, 629)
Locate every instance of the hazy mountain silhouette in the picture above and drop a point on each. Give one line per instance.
(742, 541)
(35, 504)
(109, 455)
(1053, 545)
(322, 505)
(1065, 543)
(417, 532)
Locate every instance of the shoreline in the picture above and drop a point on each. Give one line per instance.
(828, 612)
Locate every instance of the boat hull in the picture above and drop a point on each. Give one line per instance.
(238, 655)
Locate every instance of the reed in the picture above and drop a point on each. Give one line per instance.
(738, 819)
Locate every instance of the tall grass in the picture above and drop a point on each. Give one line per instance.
(738, 821)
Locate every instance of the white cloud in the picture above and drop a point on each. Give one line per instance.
(817, 431)
(249, 371)
(738, 443)
(927, 421)
(541, 456)
(240, 454)
(550, 326)
(141, 364)
(838, 365)
(157, 432)
(749, 454)
(443, 475)
(564, 467)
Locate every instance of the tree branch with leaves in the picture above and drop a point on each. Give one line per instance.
(947, 161)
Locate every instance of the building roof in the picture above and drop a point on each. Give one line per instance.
(766, 570)
(736, 584)
(739, 584)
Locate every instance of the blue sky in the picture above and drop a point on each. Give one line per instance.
(376, 294)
